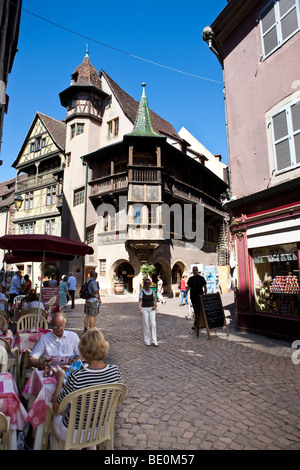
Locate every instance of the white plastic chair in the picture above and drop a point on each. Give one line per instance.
(30, 320)
(17, 299)
(3, 359)
(13, 363)
(92, 417)
(4, 431)
(49, 305)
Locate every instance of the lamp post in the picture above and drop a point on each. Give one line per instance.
(18, 202)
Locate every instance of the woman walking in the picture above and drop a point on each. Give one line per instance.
(63, 293)
(147, 307)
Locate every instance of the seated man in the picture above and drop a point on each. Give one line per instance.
(56, 343)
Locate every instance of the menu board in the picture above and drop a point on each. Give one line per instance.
(213, 313)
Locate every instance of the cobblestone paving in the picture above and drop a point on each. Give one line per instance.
(238, 392)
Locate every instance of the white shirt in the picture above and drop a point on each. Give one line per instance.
(15, 285)
(72, 282)
(50, 345)
(35, 304)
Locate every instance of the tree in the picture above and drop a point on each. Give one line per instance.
(148, 270)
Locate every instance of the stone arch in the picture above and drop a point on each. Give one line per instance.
(122, 270)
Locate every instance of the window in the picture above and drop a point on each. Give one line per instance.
(25, 229)
(50, 227)
(137, 214)
(102, 267)
(286, 137)
(152, 214)
(90, 235)
(28, 201)
(51, 196)
(77, 129)
(78, 197)
(278, 22)
(113, 128)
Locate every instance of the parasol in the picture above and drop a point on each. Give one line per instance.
(41, 248)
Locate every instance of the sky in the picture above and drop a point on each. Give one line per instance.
(127, 40)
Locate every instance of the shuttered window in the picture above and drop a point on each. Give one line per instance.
(286, 137)
(278, 22)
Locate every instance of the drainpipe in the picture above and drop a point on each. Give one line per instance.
(208, 36)
(84, 214)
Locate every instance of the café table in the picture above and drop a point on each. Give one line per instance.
(39, 392)
(11, 406)
(8, 335)
(27, 339)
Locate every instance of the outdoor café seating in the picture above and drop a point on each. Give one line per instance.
(13, 363)
(3, 359)
(4, 431)
(92, 417)
(31, 320)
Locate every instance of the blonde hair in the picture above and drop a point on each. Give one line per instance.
(93, 346)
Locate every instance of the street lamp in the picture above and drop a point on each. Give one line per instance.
(18, 202)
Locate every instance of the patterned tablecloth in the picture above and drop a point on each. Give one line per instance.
(8, 335)
(42, 388)
(26, 339)
(10, 404)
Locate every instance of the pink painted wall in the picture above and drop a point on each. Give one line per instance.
(253, 86)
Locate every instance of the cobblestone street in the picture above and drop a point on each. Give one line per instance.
(238, 392)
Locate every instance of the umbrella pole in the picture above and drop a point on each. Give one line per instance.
(41, 283)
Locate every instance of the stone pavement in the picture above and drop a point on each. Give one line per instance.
(190, 393)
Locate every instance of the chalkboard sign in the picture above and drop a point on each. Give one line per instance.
(212, 312)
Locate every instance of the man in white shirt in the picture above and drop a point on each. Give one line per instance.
(56, 343)
(15, 287)
(72, 287)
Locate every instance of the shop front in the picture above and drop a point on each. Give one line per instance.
(268, 294)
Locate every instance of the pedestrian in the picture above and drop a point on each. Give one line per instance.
(27, 285)
(92, 303)
(53, 282)
(183, 291)
(72, 287)
(160, 290)
(147, 307)
(63, 293)
(197, 286)
(15, 287)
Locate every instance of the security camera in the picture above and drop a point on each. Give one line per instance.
(1, 161)
(207, 33)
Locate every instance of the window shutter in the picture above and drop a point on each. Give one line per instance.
(295, 110)
(269, 32)
(282, 147)
(289, 24)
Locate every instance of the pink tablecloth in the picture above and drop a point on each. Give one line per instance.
(25, 339)
(42, 388)
(8, 335)
(10, 403)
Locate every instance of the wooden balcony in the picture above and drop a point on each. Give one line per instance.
(36, 181)
(108, 184)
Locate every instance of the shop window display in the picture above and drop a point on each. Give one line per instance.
(276, 280)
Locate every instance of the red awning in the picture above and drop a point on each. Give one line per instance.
(44, 245)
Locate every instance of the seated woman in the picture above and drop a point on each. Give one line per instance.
(33, 302)
(93, 348)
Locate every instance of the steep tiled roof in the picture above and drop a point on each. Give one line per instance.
(86, 74)
(130, 107)
(7, 191)
(143, 125)
(57, 129)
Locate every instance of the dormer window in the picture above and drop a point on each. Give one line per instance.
(75, 77)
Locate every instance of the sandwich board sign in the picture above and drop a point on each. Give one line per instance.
(212, 316)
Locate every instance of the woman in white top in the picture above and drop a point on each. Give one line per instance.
(34, 302)
(147, 307)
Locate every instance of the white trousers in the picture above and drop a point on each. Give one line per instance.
(149, 323)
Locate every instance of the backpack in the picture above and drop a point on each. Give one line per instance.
(84, 292)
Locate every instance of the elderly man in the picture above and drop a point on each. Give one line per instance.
(92, 303)
(58, 342)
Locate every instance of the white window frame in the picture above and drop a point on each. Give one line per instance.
(50, 227)
(291, 134)
(28, 201)
(51, 196)
(278, 19)
(78, 197)
(25, 229)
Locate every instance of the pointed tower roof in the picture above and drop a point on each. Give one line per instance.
(85, 77)
(143, 125)
(86, 74)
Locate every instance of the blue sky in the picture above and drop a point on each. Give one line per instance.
(167, 32)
